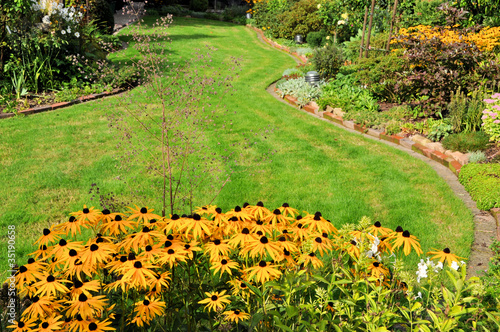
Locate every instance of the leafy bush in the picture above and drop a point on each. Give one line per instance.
(198, 5)
(439, 129)
(175, 10)
(466, 142)
(293, 73)
(300, 89)
(301, 18)
(482, 181)
(316, 38)
(380, 75)
(328, 60)
(232, 12)
(477, 157)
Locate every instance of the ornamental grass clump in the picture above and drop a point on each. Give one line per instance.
(251, 267)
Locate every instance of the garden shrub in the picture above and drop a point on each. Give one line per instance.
(247, 268)
(477, 157)
(438, 129)
(175, 10)
(466, 142)
(465, 111)
(328, 60)
(100, 11)
(301, 18)
(300, 89)
(316, 38)
(232, 12)
(482, 181)
(198, 5)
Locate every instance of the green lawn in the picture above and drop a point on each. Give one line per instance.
(48, 161)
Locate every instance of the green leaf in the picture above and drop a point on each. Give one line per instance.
(254, 289)
(292, 311)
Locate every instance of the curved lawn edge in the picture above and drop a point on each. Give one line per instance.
(486, 223)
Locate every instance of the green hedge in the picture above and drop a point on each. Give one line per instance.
(482, 181)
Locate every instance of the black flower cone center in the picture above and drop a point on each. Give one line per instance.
(276, 212)
(67, 319)
(196, 216)
(175, 216)
(31, 261)
(376, 264)
(406, 234)
(51, 278)
(312, 254)
(243, 285)
(123, 259)
(92, 326)
(94, 247)
(79, 318)
(285, 205)
(77, 284)
(234, 218)
(45, 325)
(353, 242)
(99, 240)
(82, 298)
(377, 224)
(217, 242)
(299, 225)
(23, 269)
(236, 312)
(324, 235)
(318, 214)
(317, 218)
(318, 240)
(245, 231)
(218, 210)
(118, 218)
(259, 222)
(171, 251)
(187, 246)
(223, 262)
(399, 229)
(144, 210)
(262, 264)
(46, 231)
(35, 299)
(286, 252)
(330, 304)
(72, 219)
(170, 237)
(299, 217)
(106, 212)
(138, 265)
(152, 221)
(237, 208)
(145, 302)
(282, 239)
(285, 231)
(168, 244)
(259, 233)
(204, 208)
(145, 229)
(149, 248)
(264, 240)
(72, 253)
(214, 298)
(245, 204)
(20, 325)
(259, 203)
(86, 210)
(446, 250)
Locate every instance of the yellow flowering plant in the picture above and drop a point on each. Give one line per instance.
(250, 267)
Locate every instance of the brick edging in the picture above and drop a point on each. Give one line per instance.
(301, 58)
(45, 108)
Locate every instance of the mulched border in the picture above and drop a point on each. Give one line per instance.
(45, 108)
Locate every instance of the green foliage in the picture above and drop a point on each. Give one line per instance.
(100, 11)
(482, 181)
(175, 10)
(300, 89)
(316, 38)
(292, 72)
(491, 118)
(466, 142)
(301, 18)
(198, 5)
(439, 129)
(328, 60)
(477, 157)
(481, 11)
(465, 111)
(423, 12)
(343, 18)
(232, 12)
(379, 75)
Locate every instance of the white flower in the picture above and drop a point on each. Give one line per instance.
(345, 16)
(419, 296)
(69, 30)
(327, 37)
(63, 32)
(422, 270)
(46, 19)
(340, 22)
(439, 265)
(77, 34)
(319, 6)
(454, 265)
